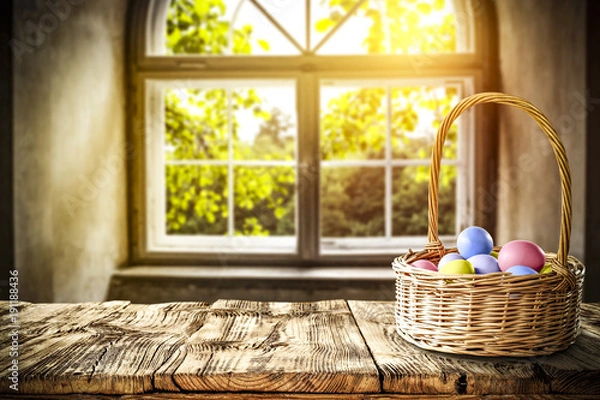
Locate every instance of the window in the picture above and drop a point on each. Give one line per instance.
(298, 131)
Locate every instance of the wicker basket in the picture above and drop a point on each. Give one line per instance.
(496, 314)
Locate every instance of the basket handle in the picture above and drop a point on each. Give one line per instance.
(559, 265)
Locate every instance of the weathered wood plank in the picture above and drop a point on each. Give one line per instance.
(147, 338)
(55, 348)
(289, 350)
(298, 396)
(38, 323)
(577, 369)
(407, 369)
(590, 313)
(277, 347)
(117, 348)
(5, 305)
(111, 347)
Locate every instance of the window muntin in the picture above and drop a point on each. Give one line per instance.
(292, 27)
(226, 164)
(461, 187)
(376, 139)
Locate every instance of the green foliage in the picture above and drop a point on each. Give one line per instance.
(352, 202)
(200, 27)
(353, 126)
(409, 200)
(196, 199)
(196, 124)
(264, 202)
(197, 129)
(399, 27)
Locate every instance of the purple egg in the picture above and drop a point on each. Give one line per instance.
(484, 264)
(424, 264)
(449, 257)
(474, 240)
(521, 270)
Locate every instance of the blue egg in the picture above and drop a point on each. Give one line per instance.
(484, 264)
(449, 257)
(474, 240)
(521, 270)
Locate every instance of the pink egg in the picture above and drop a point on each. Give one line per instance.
(521, 252)
(424, 264)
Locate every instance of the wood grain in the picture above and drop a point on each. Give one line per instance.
(122, 348)
(406, 369)
(577, 369)
(245, 350)
(297, 396)
(111, 347)
(590, 313)
(278, 347)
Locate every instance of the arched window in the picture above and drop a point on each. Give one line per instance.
(300, 131)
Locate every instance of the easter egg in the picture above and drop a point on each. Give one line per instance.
(449, 257)
(457, 267)
(546, 269)
(484, 264)
(424, 264)
(474, 240)
(521, 270)
(521, 252)
(494, 254)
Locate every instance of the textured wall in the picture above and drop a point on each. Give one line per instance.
(542, 58)
(70, 195)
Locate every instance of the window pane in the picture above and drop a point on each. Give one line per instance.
(392, 27)
(409, 199)
(196, 124)
(222, 27)
(325, 15)
(353, 123)
(417, 113)
(352, 202)
(291, 15)
(264, 201)
(256, 35)
(198, 27)
(196, 200)
(264, 123)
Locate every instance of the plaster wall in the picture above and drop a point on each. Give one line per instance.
(542, 59)
(69, 110)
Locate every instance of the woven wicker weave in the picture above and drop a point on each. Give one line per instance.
(495, 314)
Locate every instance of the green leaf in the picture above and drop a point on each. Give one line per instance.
(424, 8)
(264, 44)
(324, 25)
(279, 212)
(201, 7)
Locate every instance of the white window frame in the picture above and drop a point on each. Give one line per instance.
(464, 180)
(158, 240)
(148, 67)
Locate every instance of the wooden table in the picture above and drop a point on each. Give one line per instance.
(235, 349)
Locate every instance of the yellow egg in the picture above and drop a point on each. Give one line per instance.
(457, 267)
(494, 254)
(546, 269)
